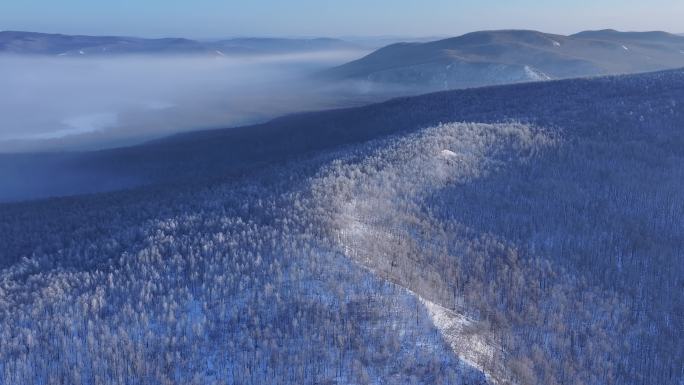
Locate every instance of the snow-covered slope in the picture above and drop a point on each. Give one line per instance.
(376, 215)
(370, 246)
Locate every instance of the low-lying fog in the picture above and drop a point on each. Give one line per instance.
(55, 103)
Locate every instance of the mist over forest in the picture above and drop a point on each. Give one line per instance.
(65, 103)
(63, 92)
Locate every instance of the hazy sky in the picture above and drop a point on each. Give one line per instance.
(223, 18)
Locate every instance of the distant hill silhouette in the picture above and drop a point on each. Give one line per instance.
(498, 57)
(33, 43)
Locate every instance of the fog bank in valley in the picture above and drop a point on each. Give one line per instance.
(90, 103)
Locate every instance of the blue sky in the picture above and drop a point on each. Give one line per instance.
(224, 18)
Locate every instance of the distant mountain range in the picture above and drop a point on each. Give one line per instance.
(498, 57)
(471, 60)
(33, 43)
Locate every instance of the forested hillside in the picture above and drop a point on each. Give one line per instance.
(508, 56)
(576, 104)
(529, 234)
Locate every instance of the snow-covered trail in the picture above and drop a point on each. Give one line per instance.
(378, 222)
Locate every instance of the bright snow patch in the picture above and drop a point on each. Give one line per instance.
(220, 53)
(457, 330)
(625, 48)
(448, 153)
(533, 74)
(557, 44)
(80, 52)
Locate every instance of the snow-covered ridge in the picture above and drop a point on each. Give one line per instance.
(376, 211)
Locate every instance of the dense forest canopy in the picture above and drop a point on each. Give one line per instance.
(529, 234)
